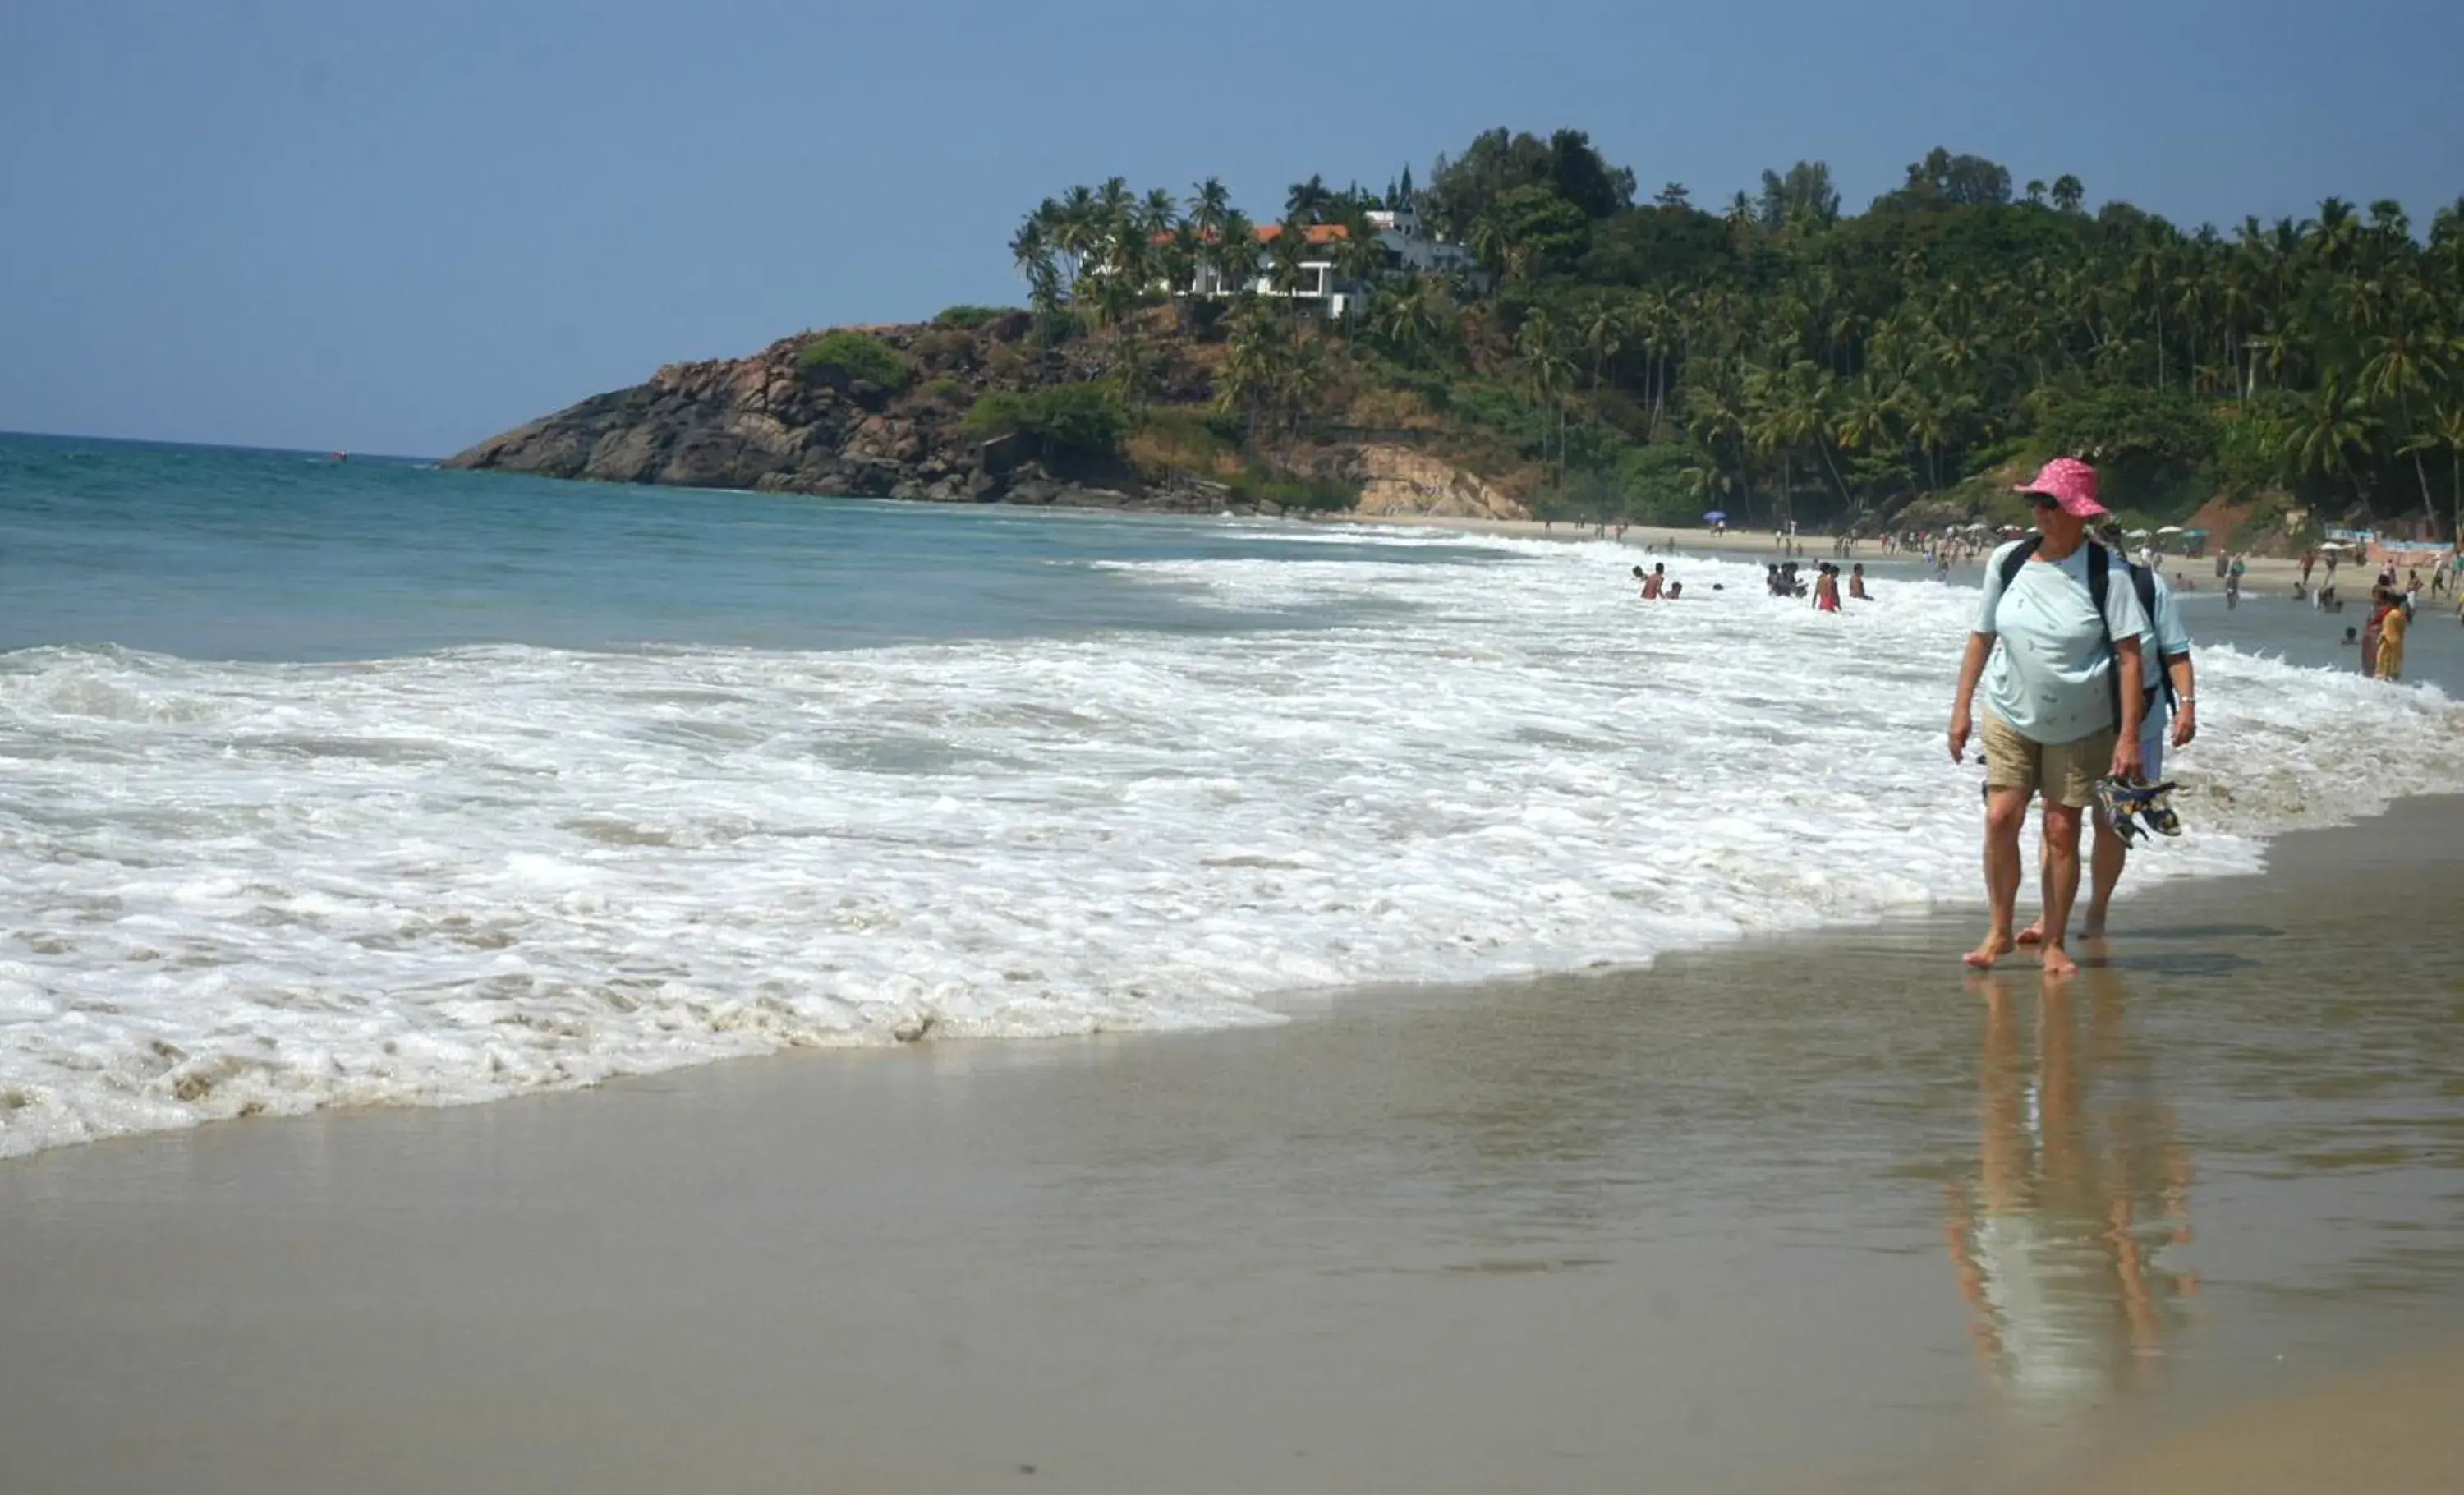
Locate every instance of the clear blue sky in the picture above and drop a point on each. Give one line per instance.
(400, 227)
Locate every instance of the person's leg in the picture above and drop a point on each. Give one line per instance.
(2106, 860)
(2061, 876)
(2012, 766)
(2071, 772)
(2006, 810)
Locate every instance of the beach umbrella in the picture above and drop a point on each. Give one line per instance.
(2135, 534)
(2170, 529)
(1716, 517)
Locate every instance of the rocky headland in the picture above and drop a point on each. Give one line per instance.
(778, 422)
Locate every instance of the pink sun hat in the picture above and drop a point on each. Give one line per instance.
(2070, 483)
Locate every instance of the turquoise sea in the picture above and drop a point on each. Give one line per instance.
(372, 782)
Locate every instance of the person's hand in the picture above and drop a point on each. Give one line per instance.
(2186, 724)
(2125, 758)
(1960, 727)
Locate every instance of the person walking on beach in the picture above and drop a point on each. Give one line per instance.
(2309, 559)
(2057, 718)
(2169, 692)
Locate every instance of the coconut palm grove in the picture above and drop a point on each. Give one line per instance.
(1602, 354)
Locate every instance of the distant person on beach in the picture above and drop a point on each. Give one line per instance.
(2309, 559)
(2391, 632)
(2169, 692)
(2381, 600)
(2060, 626)
(1857, 582)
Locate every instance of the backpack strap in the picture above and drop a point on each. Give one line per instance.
(2100, 583)
(2017, 557)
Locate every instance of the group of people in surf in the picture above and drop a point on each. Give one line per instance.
(1656, 583)
(2087, 680)
(1780, 577)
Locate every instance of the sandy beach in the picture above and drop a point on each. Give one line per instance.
(1814, 1214)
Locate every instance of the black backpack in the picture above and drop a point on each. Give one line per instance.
(2099, 566)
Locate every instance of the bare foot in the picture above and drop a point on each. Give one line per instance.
(2033, 934)
(1995, 948)
(2058, 961)
(2093, 928)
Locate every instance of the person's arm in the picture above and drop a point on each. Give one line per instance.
(1972, 668)
(2185, 699)
(2134, 705)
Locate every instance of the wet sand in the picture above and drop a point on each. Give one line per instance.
(1820, 1214)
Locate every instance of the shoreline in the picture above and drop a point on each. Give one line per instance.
(2263, 575)
(1683, 1223)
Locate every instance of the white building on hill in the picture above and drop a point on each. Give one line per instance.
(1406, 245)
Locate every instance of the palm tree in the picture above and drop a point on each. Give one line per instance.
(1489, 242)
(2401, 364)
(1405, 315)
(1359, 255)
(1928, 409)
(1290, 246)
(1304, 200)
(1208, 203)
(1158, 214)
(2068, 194)
(1867, 412)
(1254, 354)
(1546, 373)
(2335, 233)
(1235, 254)
(2446, 429)
(2329, 424)
(1605, 325)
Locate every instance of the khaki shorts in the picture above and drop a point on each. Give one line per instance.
(2065, 773)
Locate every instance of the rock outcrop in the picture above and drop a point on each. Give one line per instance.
(1397, 479)
(767, 423)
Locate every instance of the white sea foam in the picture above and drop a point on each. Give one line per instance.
(227, 888)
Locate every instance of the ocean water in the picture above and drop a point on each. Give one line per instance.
(372, 783)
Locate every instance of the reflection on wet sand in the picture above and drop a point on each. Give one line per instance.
(2061, 1236)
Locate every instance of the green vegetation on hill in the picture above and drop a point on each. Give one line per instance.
(1782, 359)
(1084, 419)
(856, 356)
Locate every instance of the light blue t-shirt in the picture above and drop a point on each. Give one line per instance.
(2164, 638)
(2049, 679)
